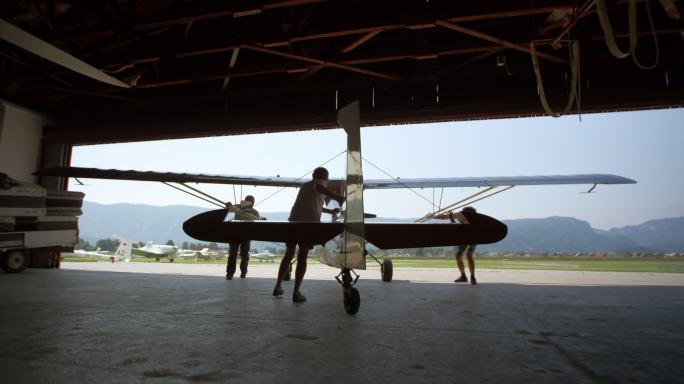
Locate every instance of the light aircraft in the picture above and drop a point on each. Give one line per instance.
(186, 253)
(264, 256)
(156, 251)
(122, 253)
(206, 253)
(343, 243)
(95, 253)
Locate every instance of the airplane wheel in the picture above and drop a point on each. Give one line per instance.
(352, 300)
(15, 261)
(386, 270)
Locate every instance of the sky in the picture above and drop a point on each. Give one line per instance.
(644, 146)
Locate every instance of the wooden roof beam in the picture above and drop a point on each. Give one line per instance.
(361, 41)
(496, 40)
(321, 62)
(234, 13)
(579, 14)
(347, 49)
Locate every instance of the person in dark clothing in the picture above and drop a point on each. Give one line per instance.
(468, 250)
(244, 212)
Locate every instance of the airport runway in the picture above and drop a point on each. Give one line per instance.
(317, 271)
(174, 323)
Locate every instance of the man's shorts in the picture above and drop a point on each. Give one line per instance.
(468, 250)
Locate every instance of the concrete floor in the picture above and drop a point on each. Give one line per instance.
(70, 325)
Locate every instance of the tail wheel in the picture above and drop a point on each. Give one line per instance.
(15, 261)
(386, 270)
(352, 300)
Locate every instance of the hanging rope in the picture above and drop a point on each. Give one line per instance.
(655, 41)
(574, 65)
(608, 29)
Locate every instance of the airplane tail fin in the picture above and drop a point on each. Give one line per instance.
(124, 250)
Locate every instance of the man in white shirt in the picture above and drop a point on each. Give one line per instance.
(307, 208)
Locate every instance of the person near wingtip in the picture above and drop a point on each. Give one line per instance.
(468, 250)
(245, 211)
(308, 207)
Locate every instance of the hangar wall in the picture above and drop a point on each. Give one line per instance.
(21, 132)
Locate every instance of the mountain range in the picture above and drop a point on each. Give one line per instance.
(139, 222)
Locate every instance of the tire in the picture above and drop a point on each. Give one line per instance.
(15, 261)
(352, 300)
(386, 270)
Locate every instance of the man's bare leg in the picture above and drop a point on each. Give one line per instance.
(302, 256)
(284, 269)
(459, 263)
(461, 268)
(471, 267)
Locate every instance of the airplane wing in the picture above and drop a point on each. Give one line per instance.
(277, 181)
(497, 181)
(169, 177)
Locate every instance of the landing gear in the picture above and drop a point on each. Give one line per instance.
(352, 298)
(386, 269)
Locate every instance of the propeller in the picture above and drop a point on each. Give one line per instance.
(25, 40)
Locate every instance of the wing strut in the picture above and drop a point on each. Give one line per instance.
(592, 188)
(213, 200)
(466, 201)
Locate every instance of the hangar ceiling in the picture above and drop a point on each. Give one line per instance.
(202, 68)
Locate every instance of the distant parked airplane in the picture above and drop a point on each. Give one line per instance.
(186, 253)
(123, 253)
(157, 251)
(208, 254)
(264, 256)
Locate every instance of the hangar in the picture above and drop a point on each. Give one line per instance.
(200, 68)
(203, 68)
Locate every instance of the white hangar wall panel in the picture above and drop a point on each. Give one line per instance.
(21, 132)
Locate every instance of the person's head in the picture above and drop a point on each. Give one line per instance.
(469, 210)
(320, 173)
(250, 198)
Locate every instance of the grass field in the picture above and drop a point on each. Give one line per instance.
(603, 265)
